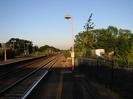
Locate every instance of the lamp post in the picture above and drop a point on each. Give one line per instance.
(72, 53)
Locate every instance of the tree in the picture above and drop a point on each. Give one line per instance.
(46, 49)
(124, 45)
(85, 41)
(35, 48)
(0, 45)
(111, 39)
(20, 46)
(89, 25)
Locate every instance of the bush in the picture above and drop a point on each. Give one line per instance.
(67, 53)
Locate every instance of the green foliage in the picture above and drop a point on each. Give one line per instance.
(48, 49)
(66, 53)
(111, 39)
(9, 52)
(20, 46)
(89, 25)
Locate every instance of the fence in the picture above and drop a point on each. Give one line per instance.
(110, 74)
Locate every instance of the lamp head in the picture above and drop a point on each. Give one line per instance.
(67, 17)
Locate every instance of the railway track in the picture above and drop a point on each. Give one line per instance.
(10, 67)
(25, 83)
(8, 70)
(14, 75)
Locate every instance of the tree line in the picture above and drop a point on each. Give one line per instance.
(111, 39)
(16, 47)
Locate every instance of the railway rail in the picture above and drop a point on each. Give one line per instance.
(24, 83)
(51, 79)
(9, 67)
(5, 71)
(18, 71)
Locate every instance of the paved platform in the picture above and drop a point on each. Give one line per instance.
(63, 83)
(9, 61)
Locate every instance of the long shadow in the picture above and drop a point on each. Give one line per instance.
(58, 83)
(118, 80)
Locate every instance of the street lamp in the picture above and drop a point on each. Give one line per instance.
(72, 53)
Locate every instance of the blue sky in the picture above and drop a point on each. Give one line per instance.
(42, 21)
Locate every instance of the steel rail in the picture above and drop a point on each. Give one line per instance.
(32, 88)
(23, 78)
(6, 72)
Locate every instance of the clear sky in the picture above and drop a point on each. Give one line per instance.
(42, 21)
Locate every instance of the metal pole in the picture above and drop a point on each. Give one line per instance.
(72, 53)
(72, 44)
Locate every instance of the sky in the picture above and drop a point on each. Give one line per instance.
(42, 21)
